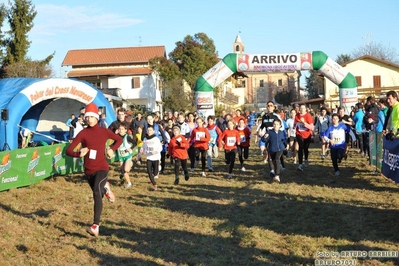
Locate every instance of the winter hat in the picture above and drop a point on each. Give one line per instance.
(92, 110)
(176, 126)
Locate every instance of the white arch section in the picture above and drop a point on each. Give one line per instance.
(233, 63)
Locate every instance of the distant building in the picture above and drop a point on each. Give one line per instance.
(374, 77)
(123, 74)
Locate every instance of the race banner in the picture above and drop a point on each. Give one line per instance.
(23, 167)
(390, 162)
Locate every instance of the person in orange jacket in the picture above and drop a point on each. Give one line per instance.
(245, 137)
(229, 140)
(177, 149)
(200, 135)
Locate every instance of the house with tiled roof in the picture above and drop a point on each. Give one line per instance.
(374, 77)
(123, 74)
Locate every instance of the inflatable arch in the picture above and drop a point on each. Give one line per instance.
(24, 100)
(233, 63)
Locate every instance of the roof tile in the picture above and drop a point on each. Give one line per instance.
(123, 55)
(109, 71)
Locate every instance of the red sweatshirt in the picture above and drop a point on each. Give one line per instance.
(201, 137)
(95, 139)
(178, 151)
(245, 136)
(304, 129)
(231, 139)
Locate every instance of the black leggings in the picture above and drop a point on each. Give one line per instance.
(303, 145)
(230, 157)
(203, 158)
(152, 170)
(183, 164)
(97, 182)
(243, 153)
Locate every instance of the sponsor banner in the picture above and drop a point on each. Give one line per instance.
(269, 62)
(59, 88)
(204, 102)
(333, 71)
(24, 167)
(348, 98)
(217, 74)
(306, 61)
(375, 144)
(390, 159)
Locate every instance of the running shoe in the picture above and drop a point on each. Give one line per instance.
(93, 230)
(108, 193)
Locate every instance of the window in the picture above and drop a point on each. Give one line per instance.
(280, 82)
(237, 48)
(261, 83)
(377, 81)
(359, 81)
(135, 82)
(243, 83)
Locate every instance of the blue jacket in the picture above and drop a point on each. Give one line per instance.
(358, 119)
(277, 141)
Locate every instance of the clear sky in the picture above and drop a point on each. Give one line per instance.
(334, 27)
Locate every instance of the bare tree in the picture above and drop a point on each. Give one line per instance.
(378, 50)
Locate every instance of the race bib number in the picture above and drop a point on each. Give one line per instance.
(199, 135)
(93, 154)
(123, 152)
(231, 141)
(338, 136)
(301, 127)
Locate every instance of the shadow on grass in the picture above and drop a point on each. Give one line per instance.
(185, 248)
(285, 213)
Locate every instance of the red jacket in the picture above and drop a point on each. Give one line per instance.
(95, 139)
(245, 136)
(304, 129)
(178, 151)
(230, 138)
(201, 137)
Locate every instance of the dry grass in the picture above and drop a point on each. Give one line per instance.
(206, 221)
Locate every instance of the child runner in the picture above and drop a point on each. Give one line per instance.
(229, 141)
(125, 153)
(304, 127)
(335, 136)
(277, 143)
(177, 149)
(96, 168)
(200, 136)
(245, 137)
(152, 147)
(214, 132)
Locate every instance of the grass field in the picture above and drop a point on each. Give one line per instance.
(211, 220)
